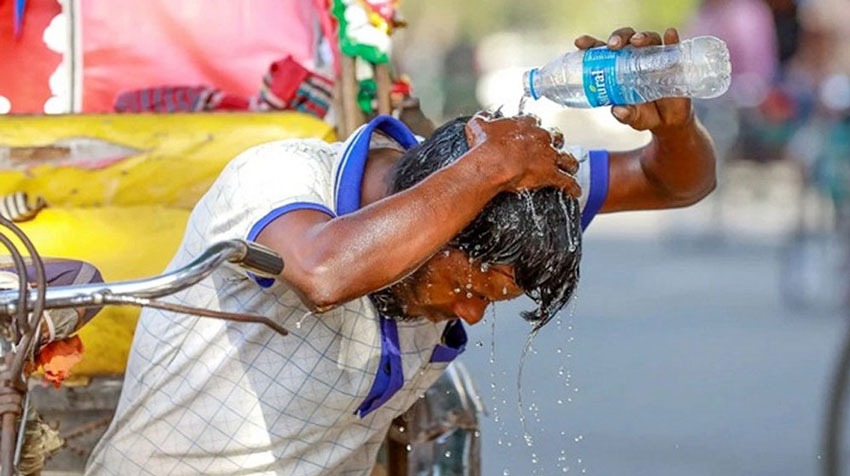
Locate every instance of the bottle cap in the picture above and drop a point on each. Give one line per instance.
(529, 83)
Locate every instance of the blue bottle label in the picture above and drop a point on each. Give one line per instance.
(600, 77)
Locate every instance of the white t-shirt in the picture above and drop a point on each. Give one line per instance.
(204, 396)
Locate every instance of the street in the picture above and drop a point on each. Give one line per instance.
(682, 359)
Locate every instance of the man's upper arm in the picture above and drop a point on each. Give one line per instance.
(629, 186)
(259, 187)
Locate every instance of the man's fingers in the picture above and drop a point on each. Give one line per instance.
(643, 117)
(570, 186)
(646, 38)
(482, 116)
(585, 42)
(620, 38)
(557, 137)
(474, 129)
(529, 119)
(671, 36)
(567, 163)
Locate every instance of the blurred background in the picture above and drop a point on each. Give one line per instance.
(703, 340)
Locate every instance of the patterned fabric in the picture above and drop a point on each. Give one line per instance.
(179, 99)
(203, 396)
(288, 85)
(58, 323)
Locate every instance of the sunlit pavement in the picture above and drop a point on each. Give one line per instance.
(682, 358)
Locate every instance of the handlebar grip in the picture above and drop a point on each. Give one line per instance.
(261, 260)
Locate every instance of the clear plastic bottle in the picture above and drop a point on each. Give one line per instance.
(696, 68)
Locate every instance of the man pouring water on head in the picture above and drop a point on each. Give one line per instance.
(391, 247)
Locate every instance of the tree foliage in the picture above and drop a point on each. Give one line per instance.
(478, 18)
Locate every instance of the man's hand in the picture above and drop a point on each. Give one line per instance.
(530, 156)
(657, 116)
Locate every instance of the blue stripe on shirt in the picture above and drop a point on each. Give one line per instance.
(598, 160)
(271, 216)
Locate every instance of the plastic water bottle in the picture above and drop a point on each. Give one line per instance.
(695, 68)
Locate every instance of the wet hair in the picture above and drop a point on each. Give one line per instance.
(537, 232)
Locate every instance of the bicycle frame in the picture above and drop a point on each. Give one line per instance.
(21, 311)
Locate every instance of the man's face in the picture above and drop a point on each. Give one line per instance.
(450, 286)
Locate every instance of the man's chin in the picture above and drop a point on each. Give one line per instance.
(471, 310)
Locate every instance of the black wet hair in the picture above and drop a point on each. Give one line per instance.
(537, 232)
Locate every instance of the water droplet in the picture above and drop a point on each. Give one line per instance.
(448, 454)
(485, 267)
(300, 321)
(506, 473)
(468, 285)
(409, 447)
(401, 429)
(468, 295)
(457, 290)
(479, 344)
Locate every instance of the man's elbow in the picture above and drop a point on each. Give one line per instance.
(319, 289)
(694, 195)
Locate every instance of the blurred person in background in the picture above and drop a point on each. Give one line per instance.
(747, 27)
(460, 77)
(817, 82)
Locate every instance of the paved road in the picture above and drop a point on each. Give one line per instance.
(682, 360)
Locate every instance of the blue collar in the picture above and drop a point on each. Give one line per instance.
(349, 176)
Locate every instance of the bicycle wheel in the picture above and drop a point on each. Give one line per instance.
(835, 445)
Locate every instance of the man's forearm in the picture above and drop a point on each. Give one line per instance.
(681, 163)
(386, 240)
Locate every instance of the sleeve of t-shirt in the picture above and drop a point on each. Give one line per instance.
(592, 176)
(262, 184)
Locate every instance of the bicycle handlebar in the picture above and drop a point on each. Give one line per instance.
(251, 256)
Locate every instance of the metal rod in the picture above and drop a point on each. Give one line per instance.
(21, 322)
(833, 426)
(227, 316)
(40, 277)
(384, 85)
(89, 295)
(352, 115)
(9, 435)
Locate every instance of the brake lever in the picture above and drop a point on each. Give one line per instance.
(227, 316)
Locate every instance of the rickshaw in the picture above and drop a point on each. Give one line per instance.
(86, 183)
